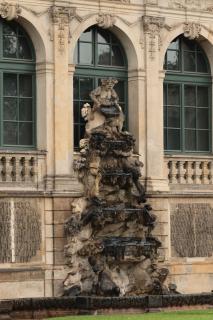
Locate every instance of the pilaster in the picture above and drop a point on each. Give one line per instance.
(61, 17)
(154, 105)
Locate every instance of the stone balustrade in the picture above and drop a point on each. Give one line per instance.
(189, 170)
(22, 169)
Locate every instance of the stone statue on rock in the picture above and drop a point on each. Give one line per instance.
(110, 250)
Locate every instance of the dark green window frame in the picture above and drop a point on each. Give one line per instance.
(91, 73)
(17, 88)
(187, 119)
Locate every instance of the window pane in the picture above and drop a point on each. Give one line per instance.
(82, 131)
(86, 86)
(10, 46)
(189, 61)
(9, 29)
(188, 44)
(25, 133)
(201, 63)
(85, 53)
(165, 116)
(103, 36)
(10, 84)
(24, 51)
(173, 139)
(203, 118)
(173, 94)
(190, 140)
(119, 89)
(173, 60)
(10, 135)
(76, 112)
(86, 36)
(76, 136)
(104, 54)
(25, 109)
(190, 96)
(10, 109)
(175, 44)
(117, 57)
(25, 85)
(203, 140)
(76, 88)
(165, 139)
(190, 117)
(173, 117)
(202, 97)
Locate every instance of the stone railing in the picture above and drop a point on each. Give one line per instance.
(189, 170)
(22, 170)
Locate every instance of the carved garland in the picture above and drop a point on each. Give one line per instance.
(152, 26)
(9, 11)
(61, 16)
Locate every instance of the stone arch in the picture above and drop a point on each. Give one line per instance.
(120, 29)
(205, 40)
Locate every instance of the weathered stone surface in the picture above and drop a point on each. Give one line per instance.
(110, 248)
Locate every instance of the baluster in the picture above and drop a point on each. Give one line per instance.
(181, 172)
(172, 172)
(197, 173)
(204, 174)
(3, 169)
(8, 173)
(13, 169)
(189, 172)
(33, 169)
(210, 176)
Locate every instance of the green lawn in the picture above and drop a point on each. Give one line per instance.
(178, 315)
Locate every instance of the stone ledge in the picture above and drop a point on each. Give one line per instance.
(19, 308)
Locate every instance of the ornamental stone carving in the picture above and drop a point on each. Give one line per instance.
(62, 16)
(152, 26)
(105, 21)
(192, 30)
(9, 11)
(185, 4)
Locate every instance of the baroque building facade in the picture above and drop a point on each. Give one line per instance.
(52, 54)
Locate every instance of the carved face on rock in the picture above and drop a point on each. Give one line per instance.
(108, 84)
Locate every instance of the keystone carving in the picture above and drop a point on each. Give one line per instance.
(62, 16)
(9, 11)
(105, 21)
(192, 30)
(153, 26)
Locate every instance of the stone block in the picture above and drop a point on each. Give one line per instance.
(22, 289)
(61, 216)
(49, 231)
(48, 204)
(49, 257)
(48, 288)
(59, 244)
(59, 231)
(49, 244)
(58, 288)
(62, 204)
(59, 258)
(48, 217)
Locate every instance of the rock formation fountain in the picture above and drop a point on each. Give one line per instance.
(110, 250)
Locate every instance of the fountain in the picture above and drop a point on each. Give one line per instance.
(110, 250)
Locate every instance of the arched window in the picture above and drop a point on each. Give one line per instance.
(98, 55)
(17, 87)
(187, 98)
